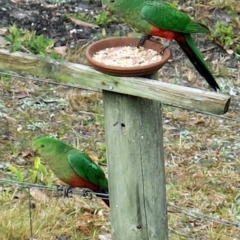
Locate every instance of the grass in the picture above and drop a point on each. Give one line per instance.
(69, 217)
(228, 5)
(70, 118)
(202, 165)
(202, 173)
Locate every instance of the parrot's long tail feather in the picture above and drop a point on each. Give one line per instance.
(105, 200)
(197, 60)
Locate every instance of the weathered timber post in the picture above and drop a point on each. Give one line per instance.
(67, 72)
(136, 170)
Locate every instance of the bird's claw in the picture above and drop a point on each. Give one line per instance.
(66, 190)
(87, 193)
(142, 40)
(162, 49)
(147, 37)
(165, 45)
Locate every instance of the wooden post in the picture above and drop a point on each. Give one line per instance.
(66, 72)
(136, 170)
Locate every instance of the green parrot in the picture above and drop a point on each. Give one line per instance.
(72, 166)
(156, 18)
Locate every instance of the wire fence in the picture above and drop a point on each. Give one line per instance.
(86, 193)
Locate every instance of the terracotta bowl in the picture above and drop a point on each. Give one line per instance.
(125, 71)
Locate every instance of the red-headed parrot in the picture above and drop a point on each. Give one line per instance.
(72, 166)
(156, 18)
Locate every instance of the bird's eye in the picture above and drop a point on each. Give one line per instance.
(42, 145)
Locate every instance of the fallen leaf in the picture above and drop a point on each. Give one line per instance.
(3, 31)
(26, 154)
(83, 24)
(104, 237)
(200, 122)
(230, 51)
(21, 95)
(104, 32)
(61, 50)
(39, 195)
(94, 157)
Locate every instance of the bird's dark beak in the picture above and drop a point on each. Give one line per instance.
(105, 6)
(34, 152)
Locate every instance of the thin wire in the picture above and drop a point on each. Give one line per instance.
(205, 113)
(205, 217)
(30, 213)
(48, 81)
(86, 193)
(92, 90)
(106, 196)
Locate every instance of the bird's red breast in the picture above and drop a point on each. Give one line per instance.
(169, 35)
(77, 181)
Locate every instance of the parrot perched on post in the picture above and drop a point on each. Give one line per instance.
(156, 18)
(72, 166)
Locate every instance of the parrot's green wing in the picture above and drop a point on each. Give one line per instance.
(166, 17)
(87, 169)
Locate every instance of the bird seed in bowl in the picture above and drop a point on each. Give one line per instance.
(127, 56)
